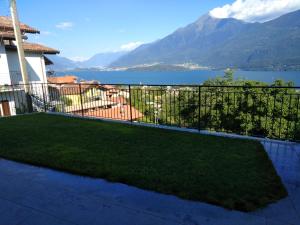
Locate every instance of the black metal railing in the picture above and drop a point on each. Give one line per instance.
(263, 111)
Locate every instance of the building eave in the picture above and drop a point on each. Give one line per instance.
(34, 48)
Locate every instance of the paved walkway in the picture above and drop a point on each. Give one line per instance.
(35, 196)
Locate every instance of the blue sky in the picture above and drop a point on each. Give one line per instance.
(82, 28)
(92, 26)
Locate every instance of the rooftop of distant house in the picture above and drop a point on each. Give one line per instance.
(68, 79)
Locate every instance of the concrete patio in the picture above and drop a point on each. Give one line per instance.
(37, 196)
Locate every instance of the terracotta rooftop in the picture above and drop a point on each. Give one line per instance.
(9, 35)
(33, 47)
(75, 89)
(115, 113)
(6, 24)
(119, 99)
(88, 106)
(69, 79)
(108, 87)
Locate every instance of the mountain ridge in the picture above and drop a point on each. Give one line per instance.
(100, 60)
(222, 43)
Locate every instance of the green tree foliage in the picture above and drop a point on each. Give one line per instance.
(67, 101)
(224, 104)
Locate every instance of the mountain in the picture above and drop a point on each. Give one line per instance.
(61, 63)
(222, 43)
(100, 60)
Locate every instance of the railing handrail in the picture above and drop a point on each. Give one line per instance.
(266, 111)
(169, 85)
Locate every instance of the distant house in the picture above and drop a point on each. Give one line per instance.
(84, 96)
(68, 79)
(10, 68)
(102, 101)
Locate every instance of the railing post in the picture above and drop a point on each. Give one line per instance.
(82, 113)
(44, 100)
(14, 96)
(28, 94)
(129, 86)
(199, 108)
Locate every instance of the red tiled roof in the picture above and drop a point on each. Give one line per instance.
(75, 89)
(119, 99)
(107, 87)
(6, 24)
(115, 113)
(9, 35)
(33, 47)
(68, 79)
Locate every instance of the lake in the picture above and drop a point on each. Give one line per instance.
(186, 77)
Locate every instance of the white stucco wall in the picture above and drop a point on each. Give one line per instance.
(4, 70)
(35, 67)
(13, 103)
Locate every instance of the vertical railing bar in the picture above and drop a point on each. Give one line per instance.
(297, 118)
(273, 114)
(259, 111)
(289, 117)
(210, 107)
(174, 107)
(14, 97)
(81, 103)
(199, 108)
(44, 100)
(129, 86)
(179, 105)
(217, 110)
(281, 115)
(267, 112)
(166, 106)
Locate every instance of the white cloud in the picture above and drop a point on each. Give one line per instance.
(78, 58)
(65, 25)
(121, 31)
(256, 10)
(131, 46)
(46, 33)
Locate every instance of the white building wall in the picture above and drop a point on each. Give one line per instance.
(13, 102)
(4, 69)
(35, 67)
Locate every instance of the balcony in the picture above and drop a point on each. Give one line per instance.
(231, 171)
(259, 111)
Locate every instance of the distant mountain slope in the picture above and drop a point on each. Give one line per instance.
(222, 43)
(62, 63)
(100, 60)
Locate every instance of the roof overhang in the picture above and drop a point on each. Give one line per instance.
(9, 35)
(48, 61)
(7, 25)
(34, 48)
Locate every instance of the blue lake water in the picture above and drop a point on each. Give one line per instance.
(187, 77)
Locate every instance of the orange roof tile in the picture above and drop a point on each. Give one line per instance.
(9, 35)
(108, 87)
(115, 113)
(68, 79)
(33, 47)
(119, 99)
(6, 24)
(75, 89)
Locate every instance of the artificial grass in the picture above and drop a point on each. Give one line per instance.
(233, 173)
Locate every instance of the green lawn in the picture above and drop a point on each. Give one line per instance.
(235, 174)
